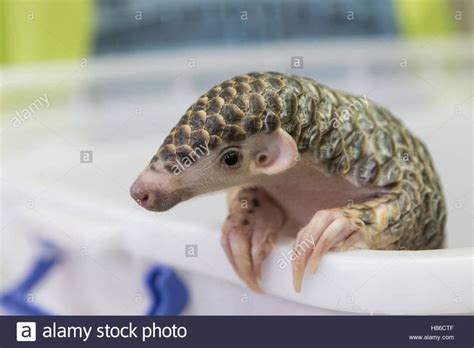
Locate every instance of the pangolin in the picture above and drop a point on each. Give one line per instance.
(336, 171)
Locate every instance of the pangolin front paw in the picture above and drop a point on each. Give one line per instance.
(249, 233)
(327, 230)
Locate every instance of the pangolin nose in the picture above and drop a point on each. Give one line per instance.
(141, 195)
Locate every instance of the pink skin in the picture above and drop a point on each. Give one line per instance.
(294, 197)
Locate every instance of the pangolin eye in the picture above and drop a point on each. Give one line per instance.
(231, 159)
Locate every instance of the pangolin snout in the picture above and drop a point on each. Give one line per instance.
(143, 195)
(148, 192)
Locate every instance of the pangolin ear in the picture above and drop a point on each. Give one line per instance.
(276, 152)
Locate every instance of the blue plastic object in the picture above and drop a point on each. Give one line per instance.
(15, 300)
(169, 294)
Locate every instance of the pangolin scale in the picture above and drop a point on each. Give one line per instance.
(365, 143)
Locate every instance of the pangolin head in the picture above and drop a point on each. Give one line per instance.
(229, 112)
(220, 126)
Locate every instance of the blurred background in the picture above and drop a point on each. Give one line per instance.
(42, 30)
(89, 89)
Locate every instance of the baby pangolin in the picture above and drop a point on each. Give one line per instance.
(336, 171)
